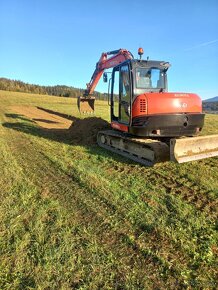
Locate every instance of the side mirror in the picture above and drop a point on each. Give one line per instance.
(105, 77)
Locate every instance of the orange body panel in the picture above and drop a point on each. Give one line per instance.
(166, 103)
(119, 126)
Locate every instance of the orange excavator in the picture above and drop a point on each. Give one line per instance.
(149, 124)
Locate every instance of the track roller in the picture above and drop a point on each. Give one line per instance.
(144, 151)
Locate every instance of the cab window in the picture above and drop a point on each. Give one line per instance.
(149, 78)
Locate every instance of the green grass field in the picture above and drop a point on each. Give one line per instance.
(75, 216)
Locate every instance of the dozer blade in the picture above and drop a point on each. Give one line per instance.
(193, 148)
(86, 105)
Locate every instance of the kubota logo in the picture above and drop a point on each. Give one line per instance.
(183, 105)
(179, 104)
(181, 95)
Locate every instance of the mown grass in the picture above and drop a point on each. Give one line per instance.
(79, 217)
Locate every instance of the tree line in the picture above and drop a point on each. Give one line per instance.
(211, 107)
(58, 90)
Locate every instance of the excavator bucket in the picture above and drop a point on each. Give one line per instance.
(86, 105)
(193, 148)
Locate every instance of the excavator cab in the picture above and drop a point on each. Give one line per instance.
(131, 79)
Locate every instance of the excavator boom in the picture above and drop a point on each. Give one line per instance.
(86, 103)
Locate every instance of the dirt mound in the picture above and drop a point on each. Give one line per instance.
(81, 131)
(84, 131)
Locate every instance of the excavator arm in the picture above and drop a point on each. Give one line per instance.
(86, 102)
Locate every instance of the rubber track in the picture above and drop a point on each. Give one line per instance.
(160, 149)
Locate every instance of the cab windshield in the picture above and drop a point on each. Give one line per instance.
(149, 78)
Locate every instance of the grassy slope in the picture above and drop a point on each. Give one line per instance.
(74, 216)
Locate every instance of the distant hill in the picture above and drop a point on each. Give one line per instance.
(58, 90)
(210, 105)
(215, 99)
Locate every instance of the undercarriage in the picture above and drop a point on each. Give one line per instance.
(151, 151)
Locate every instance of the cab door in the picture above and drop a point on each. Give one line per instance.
(121, 94)
(125, 95)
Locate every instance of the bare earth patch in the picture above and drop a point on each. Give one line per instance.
(79, 131)
(42, 118)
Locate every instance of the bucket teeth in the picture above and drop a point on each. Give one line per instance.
(86, 105)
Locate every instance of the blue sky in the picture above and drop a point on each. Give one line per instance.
(59, 42)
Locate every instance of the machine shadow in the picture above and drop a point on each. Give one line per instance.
(82, 132)
(59, 135)
(69, 117)
(18, 116)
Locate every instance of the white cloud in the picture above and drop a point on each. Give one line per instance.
(202, 44)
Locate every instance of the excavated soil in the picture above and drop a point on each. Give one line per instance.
(77, 131)
(84, 131)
